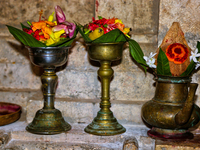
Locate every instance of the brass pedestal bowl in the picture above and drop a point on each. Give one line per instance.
(105, 123)
(48, 120)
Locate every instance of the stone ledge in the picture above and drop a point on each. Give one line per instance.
(193, 144)
(75, 138)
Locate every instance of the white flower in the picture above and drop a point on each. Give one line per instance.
(150, 60)
(194, 55)
(197, 65)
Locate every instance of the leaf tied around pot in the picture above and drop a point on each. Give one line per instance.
(174, 57)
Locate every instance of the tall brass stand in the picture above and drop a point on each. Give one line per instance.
(48, 120)
(105, 123)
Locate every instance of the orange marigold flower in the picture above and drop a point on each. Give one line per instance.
(120, 26)
(38, 25)
(177, 53)
(41, 24)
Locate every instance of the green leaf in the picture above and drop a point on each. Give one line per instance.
(29, 40)
(192, 64)
(25, 38)
(198, 46)
(23, 26)
(163, 64)
(111, 37)
(136, 52)
(86, 38)
(189, 69)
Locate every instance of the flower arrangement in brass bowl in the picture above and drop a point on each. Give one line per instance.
(46, 32)
(48, 42)
(172, 111)
(105, 39)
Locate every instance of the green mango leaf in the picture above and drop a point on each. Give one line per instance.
(25, 38)
(111, 37)
(198, 46)
(192, 64)
(29, 40)
(136, 52)
(163, 64)
(189, 69)
(86, 38)
(23, 26)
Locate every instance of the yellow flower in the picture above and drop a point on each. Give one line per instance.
(118, 21)
(55, 37)
(96, 33)
(51, 17)
(126, 30)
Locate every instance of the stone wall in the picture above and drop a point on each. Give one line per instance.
(149, 20)
(78, 78)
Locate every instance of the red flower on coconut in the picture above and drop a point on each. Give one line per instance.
(177, 53)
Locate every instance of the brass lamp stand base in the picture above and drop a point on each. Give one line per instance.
(48, 122)
(105, 123)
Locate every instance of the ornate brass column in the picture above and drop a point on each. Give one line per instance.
(48, 120)
(105, 123)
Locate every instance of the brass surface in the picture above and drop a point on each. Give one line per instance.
(172, 110)
(7, 117)
(105, 123)
(48, 120)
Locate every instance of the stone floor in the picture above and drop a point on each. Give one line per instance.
(15, 137)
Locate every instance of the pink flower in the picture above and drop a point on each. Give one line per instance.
(60, 16)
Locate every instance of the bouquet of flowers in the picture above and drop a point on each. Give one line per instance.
(174, 57)
(47, 31)
(111, 30)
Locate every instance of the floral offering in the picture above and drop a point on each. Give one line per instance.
(47, 31)
(111, 30)
(174, 57)
(99, 27)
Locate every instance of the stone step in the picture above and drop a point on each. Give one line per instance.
(15, 137)
(84, 110)
(192, 144)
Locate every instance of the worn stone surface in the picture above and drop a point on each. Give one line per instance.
(185, 12)
(17, 97)
(19, 76)
(14, 12)
(130, 144)
(134, 85)
(76, 138)
(147, 143)
(190, 144)
(12, 51)
(142, 16)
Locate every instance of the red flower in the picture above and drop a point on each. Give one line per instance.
(39, 35)
(177, 53)
(29, 31)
